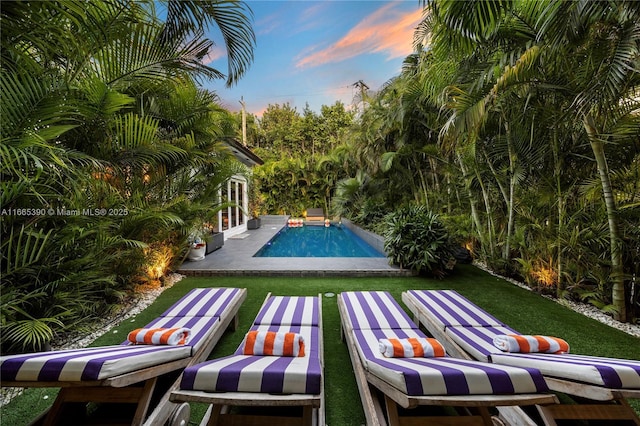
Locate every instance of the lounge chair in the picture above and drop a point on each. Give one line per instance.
(411, 382)
(276, 382)
(315, 216)
(468, 331)
(140, 376)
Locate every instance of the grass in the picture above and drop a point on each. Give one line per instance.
(523, 310)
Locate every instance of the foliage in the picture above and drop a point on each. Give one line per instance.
(298, 173)
(416, 239)
(518, 124)
(109, 151)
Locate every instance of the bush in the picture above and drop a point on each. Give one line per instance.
(416, 239)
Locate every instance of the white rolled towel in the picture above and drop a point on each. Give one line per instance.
(530, 344)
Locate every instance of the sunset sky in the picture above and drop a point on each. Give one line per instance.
(314, 51)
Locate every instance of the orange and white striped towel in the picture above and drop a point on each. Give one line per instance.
(525, 344)
(412, 347)
(273, 343)
(160, 336)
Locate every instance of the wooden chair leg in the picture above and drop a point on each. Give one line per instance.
(392, 411)
(235, 322)
(307, 415)
(486, 416)
(214, 413)
(144, 401)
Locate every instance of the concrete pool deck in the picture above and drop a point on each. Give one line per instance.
(236, 258)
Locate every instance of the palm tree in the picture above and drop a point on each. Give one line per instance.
(80, 82)
(594, 48)
(587, 50)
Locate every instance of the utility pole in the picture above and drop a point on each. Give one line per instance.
(244, 121)
(362, 86)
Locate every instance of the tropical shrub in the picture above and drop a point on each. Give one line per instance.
(109, 151)
(416, 239)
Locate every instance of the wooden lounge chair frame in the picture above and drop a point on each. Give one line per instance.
(135, 387)
(380, 400)
(618, 409)
(221, 403)
(315, 216)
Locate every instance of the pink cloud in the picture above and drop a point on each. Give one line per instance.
(268, 24)
(214, 54)
(385, 30)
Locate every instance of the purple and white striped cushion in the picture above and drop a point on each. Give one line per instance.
(201, 327)
(265, 374)
(478, 341)
(202, 302)
(609, 372)
(376, 315)
(369, 310)
(199, 310)
(442, 375)
(87, 364)
(449, 308)
(289, 310)
(245, 373)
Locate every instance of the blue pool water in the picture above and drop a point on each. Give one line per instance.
(317, 241)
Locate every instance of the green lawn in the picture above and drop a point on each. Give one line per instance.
(521, 309)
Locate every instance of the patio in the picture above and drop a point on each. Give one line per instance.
(236, 258)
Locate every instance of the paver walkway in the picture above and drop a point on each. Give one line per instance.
(236, 258)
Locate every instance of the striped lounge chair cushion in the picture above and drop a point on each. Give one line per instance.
(448, 308)
(199, 310)
(442, 375)
(87, 364)
(200, 327)
(478, 342)
(609, 372)
(370, 310)
(202, 302)
(268, 374)
(285, 310)
(376, 315)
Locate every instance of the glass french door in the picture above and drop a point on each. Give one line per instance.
(233, 215)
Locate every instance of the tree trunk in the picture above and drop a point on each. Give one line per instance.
(491, 229)
(617, 270)
(556, 172)
(512, 184)
(474, 204)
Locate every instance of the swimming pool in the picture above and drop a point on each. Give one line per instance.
(317, 241)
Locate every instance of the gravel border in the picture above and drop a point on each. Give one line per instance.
(583, 308)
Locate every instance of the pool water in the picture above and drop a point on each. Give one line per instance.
(317, 241)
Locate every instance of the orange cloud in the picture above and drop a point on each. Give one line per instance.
(385, 30)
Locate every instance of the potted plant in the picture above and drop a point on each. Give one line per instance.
(197, 250)
(203, 239)
(256, 202)
(213, 238)
(254, 223)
